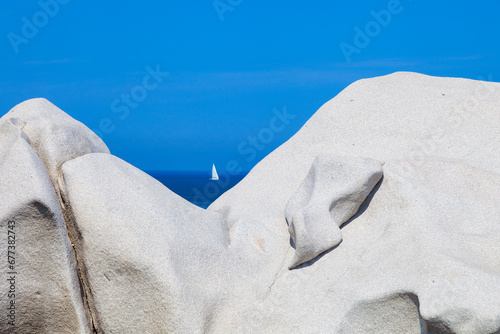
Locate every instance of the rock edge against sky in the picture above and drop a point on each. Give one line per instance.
(380, 215)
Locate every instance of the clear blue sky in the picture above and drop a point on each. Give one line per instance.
(230, 64)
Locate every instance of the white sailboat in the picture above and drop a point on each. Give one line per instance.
(215, 176)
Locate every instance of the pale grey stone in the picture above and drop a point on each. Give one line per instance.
(46, 289)
(431, 230)
(53, 134)
(419, 256)
(330, 194)
(153, 262)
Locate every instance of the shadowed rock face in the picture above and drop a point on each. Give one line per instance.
(37, 139)
(331, 193)
(44, 288)
(419, 254)
(397, 312)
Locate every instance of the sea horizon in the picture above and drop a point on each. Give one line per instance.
(196, 186)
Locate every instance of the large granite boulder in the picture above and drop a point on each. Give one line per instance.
(313, 240)
(37, 139)
(418, 120)
(153, 262)
(39, 288)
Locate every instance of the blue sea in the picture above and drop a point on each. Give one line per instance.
(196, 187)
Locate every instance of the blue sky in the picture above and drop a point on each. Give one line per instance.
(243, 76)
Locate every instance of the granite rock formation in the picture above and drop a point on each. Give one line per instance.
(103, 247)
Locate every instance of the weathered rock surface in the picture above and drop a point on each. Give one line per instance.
(42, 283)
(53, 134)
(154, 263)
(419, 250)
(401, 116)
(418, 255)
(407, 117)
(330, 194)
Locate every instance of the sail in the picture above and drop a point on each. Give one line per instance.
(214, 173)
